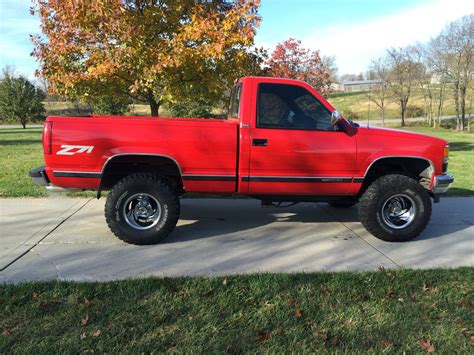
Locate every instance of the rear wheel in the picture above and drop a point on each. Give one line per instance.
(142, 209)
(395, 208)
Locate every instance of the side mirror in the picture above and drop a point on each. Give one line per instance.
(336, 117)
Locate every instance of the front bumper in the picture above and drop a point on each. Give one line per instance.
(442, 183)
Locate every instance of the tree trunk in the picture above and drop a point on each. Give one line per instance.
(154, 107)
(23, 122)
(402, 111)
(463, 107)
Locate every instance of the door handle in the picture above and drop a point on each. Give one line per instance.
(257, 142)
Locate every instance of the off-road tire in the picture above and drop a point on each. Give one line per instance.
(373, 199)
(135, 184)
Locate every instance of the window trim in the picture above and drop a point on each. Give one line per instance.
(257, 111)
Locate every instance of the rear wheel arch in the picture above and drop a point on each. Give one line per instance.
(121, 165)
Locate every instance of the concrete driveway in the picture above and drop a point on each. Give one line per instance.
(67, 239)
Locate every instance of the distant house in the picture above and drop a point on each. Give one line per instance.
(360, 85)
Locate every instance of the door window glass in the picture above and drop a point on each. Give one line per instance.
(291, 107)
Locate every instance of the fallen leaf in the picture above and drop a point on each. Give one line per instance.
(83, 336)
(85, 320)
(322, 335)
(389, 294)
(298, 313)
(291, 302)
(386, 344)
(96, 333)
(6, 332)
(426, 345)
(190, 317)
(263, 336)
(465, 303)
(35, 295)
(334, 340)
(224, 282)
(209, 292)
(87, 301)
(325, 292)
(426, 288)
(268, 304)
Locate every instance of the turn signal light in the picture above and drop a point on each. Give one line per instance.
(446, 151)
(445, 158)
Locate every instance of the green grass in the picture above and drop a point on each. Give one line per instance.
(385, 311)
(21, 151)
(461, 158)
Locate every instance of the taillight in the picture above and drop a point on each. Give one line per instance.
(47, 137)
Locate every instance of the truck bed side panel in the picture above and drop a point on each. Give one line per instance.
(205, 150)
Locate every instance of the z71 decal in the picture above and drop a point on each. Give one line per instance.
(74, 149)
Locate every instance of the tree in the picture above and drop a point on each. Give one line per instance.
(401, 76)
(423, 77)
(457, 43)
(20, 100)
(380, 93)
(291, 60)
(152, 51)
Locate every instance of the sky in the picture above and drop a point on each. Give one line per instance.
(353, 31)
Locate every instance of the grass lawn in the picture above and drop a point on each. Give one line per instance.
(21, 150)
(386, 311)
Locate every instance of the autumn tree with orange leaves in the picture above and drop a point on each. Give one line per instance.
(291, 60)
(153, 51)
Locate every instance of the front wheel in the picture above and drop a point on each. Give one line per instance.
(142, 209)
(395, 208)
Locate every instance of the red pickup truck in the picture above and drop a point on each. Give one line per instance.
(281, 142)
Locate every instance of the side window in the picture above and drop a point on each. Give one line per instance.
(234, 107)
(290, 107)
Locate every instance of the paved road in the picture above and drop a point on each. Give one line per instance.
(67, 239)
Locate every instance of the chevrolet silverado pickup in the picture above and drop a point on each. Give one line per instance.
(281, 142)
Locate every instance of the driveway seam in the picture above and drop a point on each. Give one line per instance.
(43, 238)
(358, 236)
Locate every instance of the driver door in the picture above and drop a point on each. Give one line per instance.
(294, 148)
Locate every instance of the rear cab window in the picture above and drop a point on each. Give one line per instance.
(234, 106)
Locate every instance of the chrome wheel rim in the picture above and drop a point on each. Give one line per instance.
(142, 211)
(399, 211)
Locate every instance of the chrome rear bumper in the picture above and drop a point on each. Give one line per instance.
(442, 183)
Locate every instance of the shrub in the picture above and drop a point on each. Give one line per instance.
(191, 109)
(111, 105)
(415, 111)
(351, 115)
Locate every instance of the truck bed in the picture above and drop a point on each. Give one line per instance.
(82, 146)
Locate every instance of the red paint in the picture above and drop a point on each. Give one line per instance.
(211, 147)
